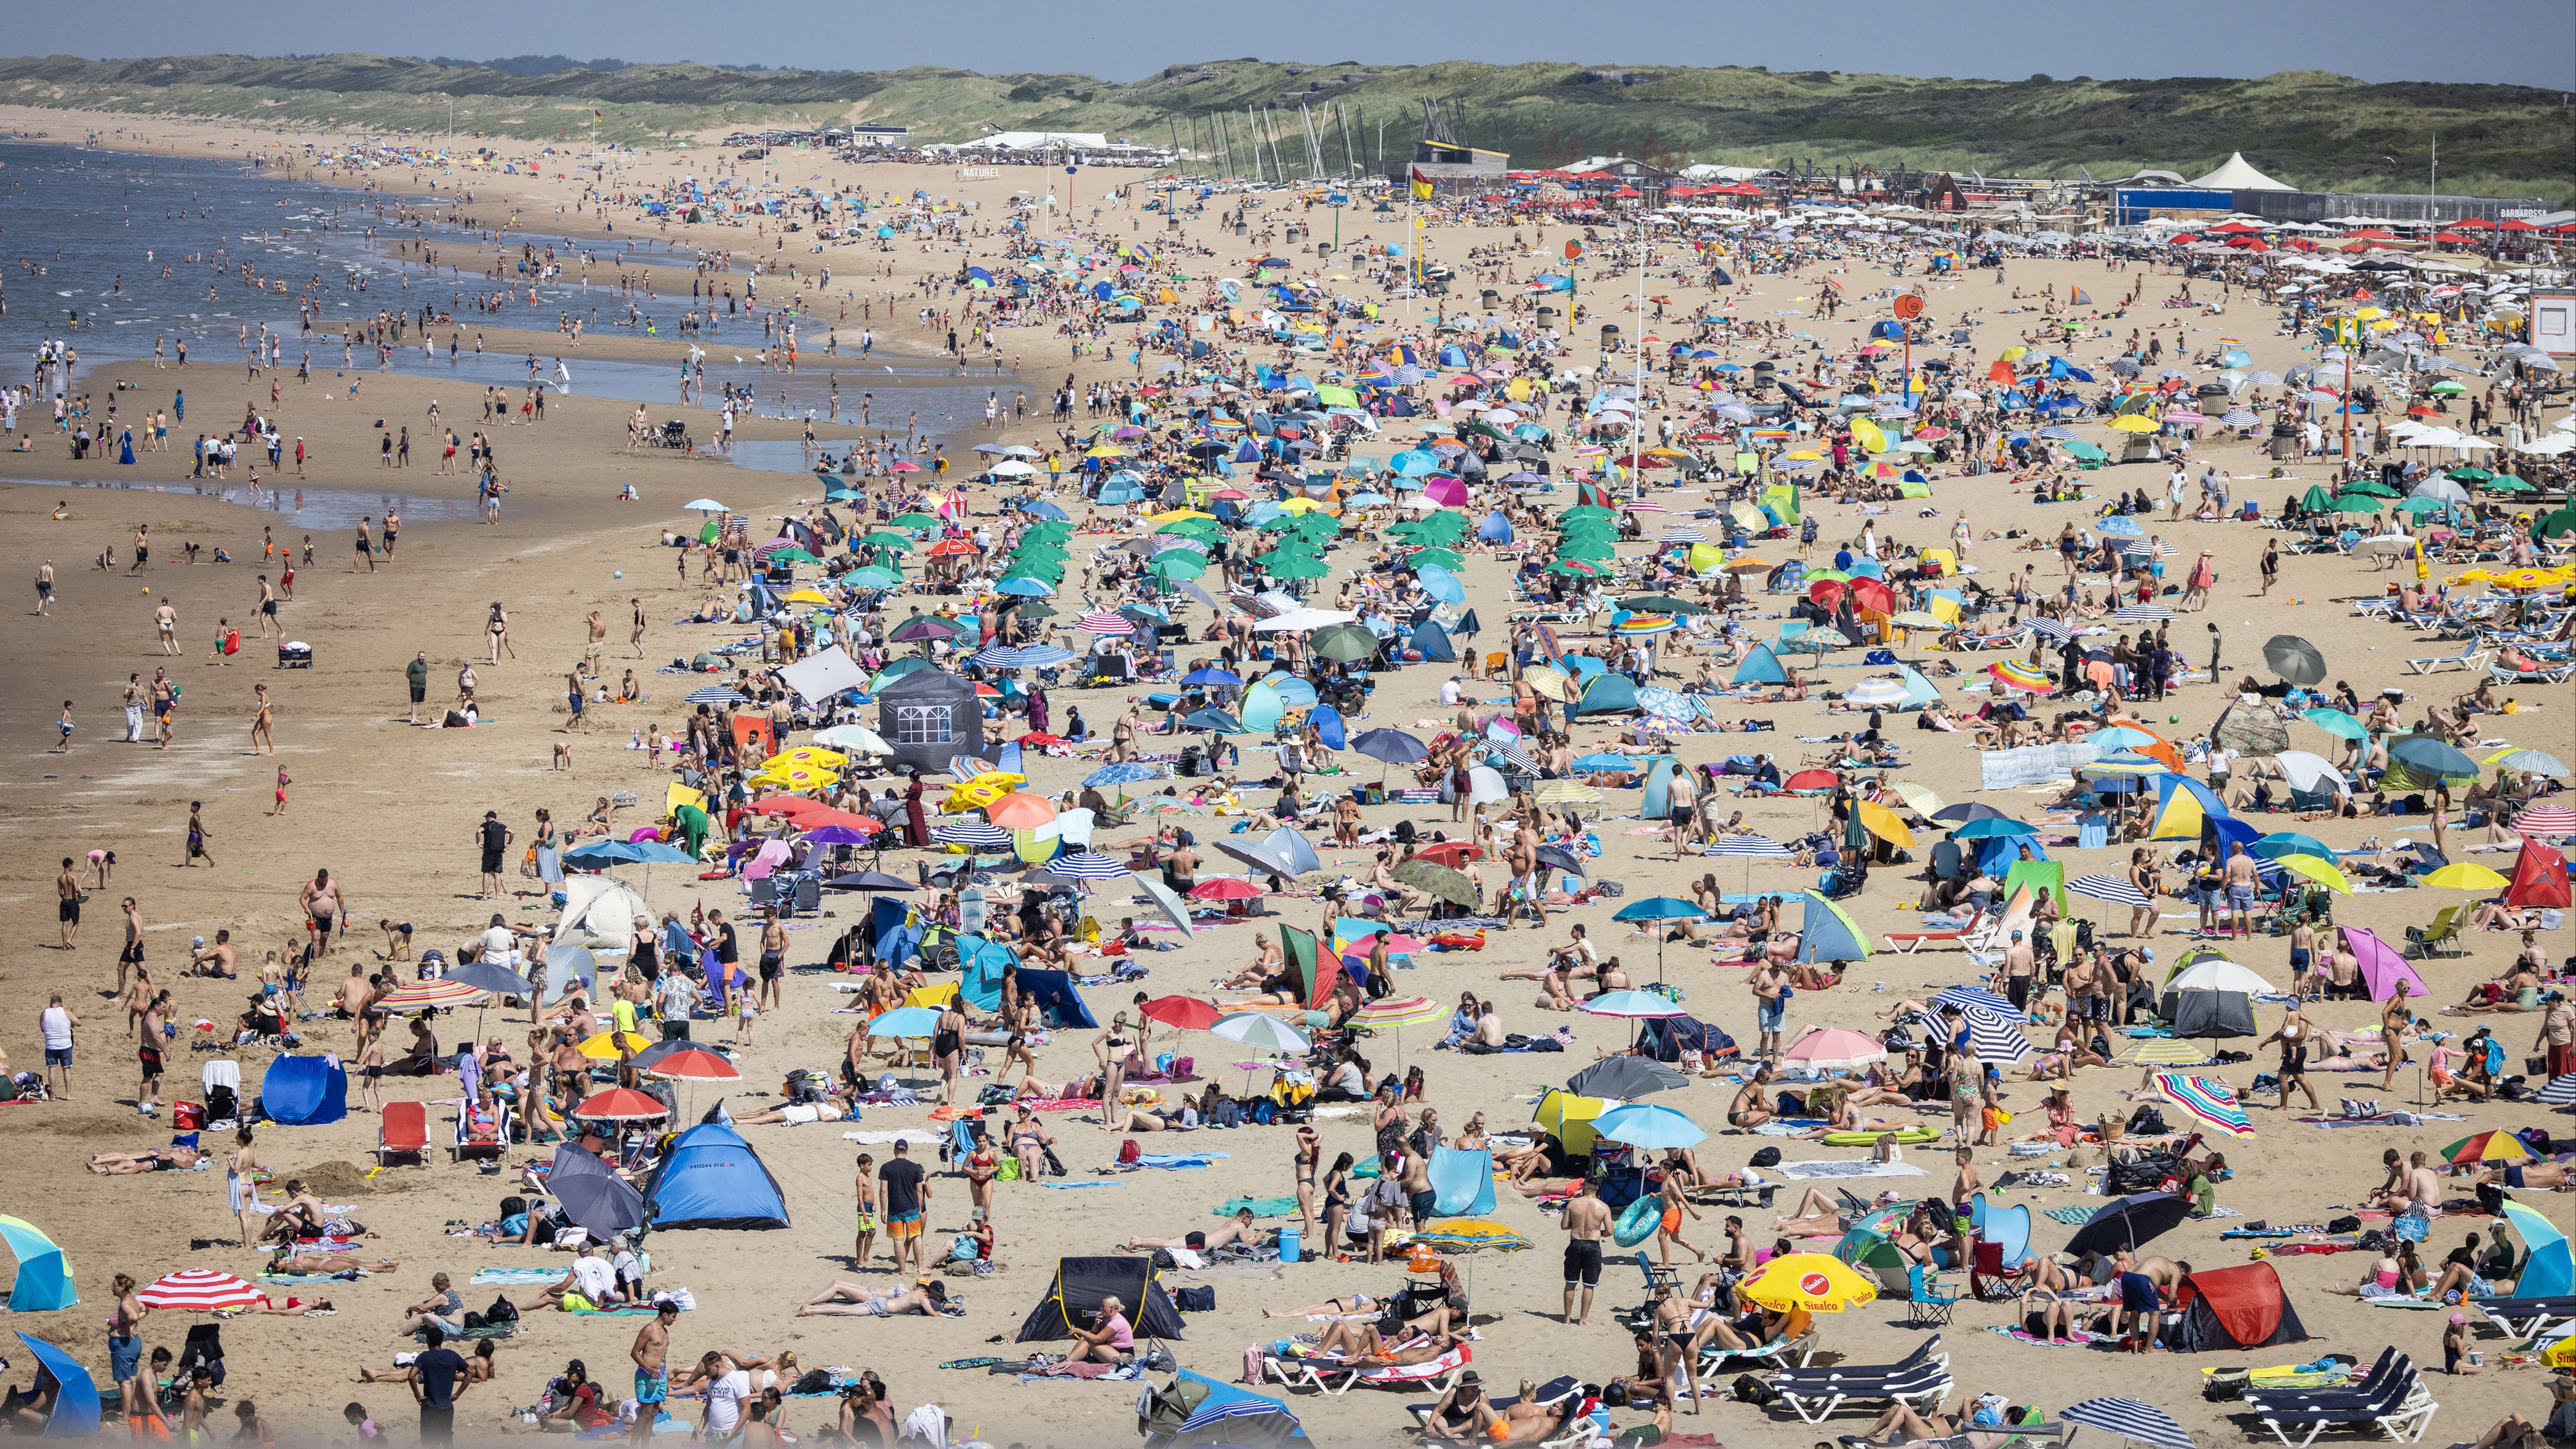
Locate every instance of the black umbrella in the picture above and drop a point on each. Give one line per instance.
(1966, 811)
(869, 880)
(1625, 1078)
(1391, 748)
(2294, 659)
(603, 1203)
(2140, 1217)
(1561, 858)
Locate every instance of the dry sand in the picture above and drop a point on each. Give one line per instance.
(390, 811)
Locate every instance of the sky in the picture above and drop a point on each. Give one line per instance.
(2526, 42)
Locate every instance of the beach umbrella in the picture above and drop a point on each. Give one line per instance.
(2013, 674)
(1087, 865)
(197, 1290)
(1991, 827)
(1652, 1128)
(2546, 821)
(2492, 1146)
(2561, 1091)
(2162, 1053)
(1632, 1005)
(417, 995)
(1659, 909)
(76, 1401)
(2294, 659)
(1997, 1038)
(1815, 1282)
(717, 694)
(1978, 998)
(2110, 888)
(2335, 722)
(2536, 761)
(2130, 1419)
(1260, 1032)
(869, 880)
(917, 1022)
(1465, 1235)
(1123, 773)
(620, 1104)
(1834, 1048)
(1186, 1012)
(2425, 755)
(606, 1046)
(683, 1061)
(2206, 1100)
(1627, 1078)
(2139, 1218)
(1390, 747)
(2463, 875)
(1438, 880)
(1568, 792)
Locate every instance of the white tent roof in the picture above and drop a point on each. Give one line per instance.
(2239, 175)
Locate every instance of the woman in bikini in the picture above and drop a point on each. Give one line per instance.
(1752, 1105)
(1337, 1198)
(1309, 1156)
(1029, 1142)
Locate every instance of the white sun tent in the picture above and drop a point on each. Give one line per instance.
(820, 676)
(2239, 175)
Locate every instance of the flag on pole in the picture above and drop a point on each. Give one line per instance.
(1421, 185)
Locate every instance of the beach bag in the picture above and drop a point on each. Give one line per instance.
(1055, 1166)
(1751, 1390)
(1128, 1153)
(502, 1311)
(1009, 1171)
(1201, 1299)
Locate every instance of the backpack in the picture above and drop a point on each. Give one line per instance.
(1751, 1390)
(222, 1104)
(514, 1206)
(1128, 1153)
(1405, 833)
(1265, 1112)
(501, 1311)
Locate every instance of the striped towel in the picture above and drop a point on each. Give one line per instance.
(514, 1275)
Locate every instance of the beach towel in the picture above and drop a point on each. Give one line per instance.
(514, 1275)
(1462, 1183)
(1262, 1207)
(1814, 1171)
(1180, 1159)
(1070, 1186)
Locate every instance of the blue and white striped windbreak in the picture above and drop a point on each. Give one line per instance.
(1087, 865)
(2130, 1419)
(2109, 888)
(1997, 1038)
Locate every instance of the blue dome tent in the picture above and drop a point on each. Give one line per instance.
(712, 1179)
(1761, 667)
(304, 1091)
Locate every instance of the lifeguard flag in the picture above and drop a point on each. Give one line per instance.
(2539, 877)
(1421, 185)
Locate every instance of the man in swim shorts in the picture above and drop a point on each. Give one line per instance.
(1587, 1222)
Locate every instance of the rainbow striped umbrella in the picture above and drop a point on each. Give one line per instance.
(2207, 1100)
(1637, 626)
(2494, 1146)
(421, 994)
(2014, 674)
(1400, 1011)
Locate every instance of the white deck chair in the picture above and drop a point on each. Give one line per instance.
(221, 1074)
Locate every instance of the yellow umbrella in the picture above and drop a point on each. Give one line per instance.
(974, 795)
(2318, 869)
(1568, 1118)
(1868, 435)
(2132, 423)
(1106, 451)
(812, 756)
(1812, 1281)
(1545, 681)
(2014, 354)
(1923, 801)
(1917, 619)
(2464, 876)
(1880, 821)
(604, 1047)
(1175, 515)
(1806, 455)
(795, 777)
(808, 596)
(1292, 505)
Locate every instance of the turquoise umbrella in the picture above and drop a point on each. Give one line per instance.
(2336, 722)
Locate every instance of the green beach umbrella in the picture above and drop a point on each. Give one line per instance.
(887, 538)
(1345, 643)
(914, 519)
(873, 577)
(1300, 568)
(2356, 503)
(1445, 558)
(1178, 564)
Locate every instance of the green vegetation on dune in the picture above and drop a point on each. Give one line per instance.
(2309, 128)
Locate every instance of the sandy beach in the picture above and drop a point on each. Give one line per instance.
(392, 812)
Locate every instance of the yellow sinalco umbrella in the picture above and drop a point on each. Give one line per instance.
(1812, 1281)
(813, 757)
(2133, 423)
(1568, 1118)
(807, 596)
(604, 1046)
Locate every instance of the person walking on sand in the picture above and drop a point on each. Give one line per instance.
(67, 892)
(865, 1192)
(365, 546)
(197, 836)
(134, 709)
(494, 839)
(63, 727)
(1587, 1222)
(44, 587)
(261, 720)
(166, 620)
(267, 610)
(416, 676)
(496, 630)
(636, 637)
(55, 1024)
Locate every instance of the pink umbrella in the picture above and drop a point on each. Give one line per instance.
(1447, 491)
(772, 855)
(2383, 966)
(1834, 1047)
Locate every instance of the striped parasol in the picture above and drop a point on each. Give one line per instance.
(2548, 821)
(1638, 626)
(1759, 847)
(2154, 1052)
(2143, 613)
(971, 832)
(717, 694)
(1002, 656)
(2208, 1100)
(197, 1290)
(2561, 1091)
(1978, 998)
(1995, 1038)
(1678, 534)
(421, 994)
(1546, 681)
(2047, 628)
(2109, 888)
(1512, 755)
(1875, 693)
(1568, 792)
(2014, 674)
(1394, 1011)
(1644, 505)
(2129, 1419)
(1923, 801)
(1105, 623)
(1088, 865)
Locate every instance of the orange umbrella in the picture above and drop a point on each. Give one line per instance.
(1020, 810)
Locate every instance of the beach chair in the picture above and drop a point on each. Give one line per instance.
(220, 1084)
(2402, 1408)
(2525, 1317)
(402, 1130)
(475, 1141)
(1778, 1353)
(1908, 942)
(1552, 1393)
(1336, 1378)
(2471, 657)
(2441, 938)
(1665, 1277)
(1921, 1377)
(1927, 1306)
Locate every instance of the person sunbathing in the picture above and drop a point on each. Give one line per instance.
(835, 1107)
(1359, 1345)
(1239, 1231)
(159, 1159)
(295, 1306)
(858, 1300)
(286, 1259)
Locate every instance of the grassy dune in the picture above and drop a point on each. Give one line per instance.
(2308, 128)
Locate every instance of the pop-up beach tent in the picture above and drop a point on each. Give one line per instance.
(1073, 1299)
(304, 1091)
(2234, 1308)
(1059, 1004)
(75, 1414)
(44, 1280)
(712, 1179)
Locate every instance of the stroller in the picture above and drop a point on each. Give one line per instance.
(674, 434)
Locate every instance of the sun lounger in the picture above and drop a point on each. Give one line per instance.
(1337, 1378)
(2471, 657)
(2441, 938)
(1908, 942)
(1554, 1391)
(2402, 1409)
(2525, 1317)
(476, 1141)
(1778, 1353)
(1920, 1378)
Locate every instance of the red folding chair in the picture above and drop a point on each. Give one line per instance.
(402, 1128)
